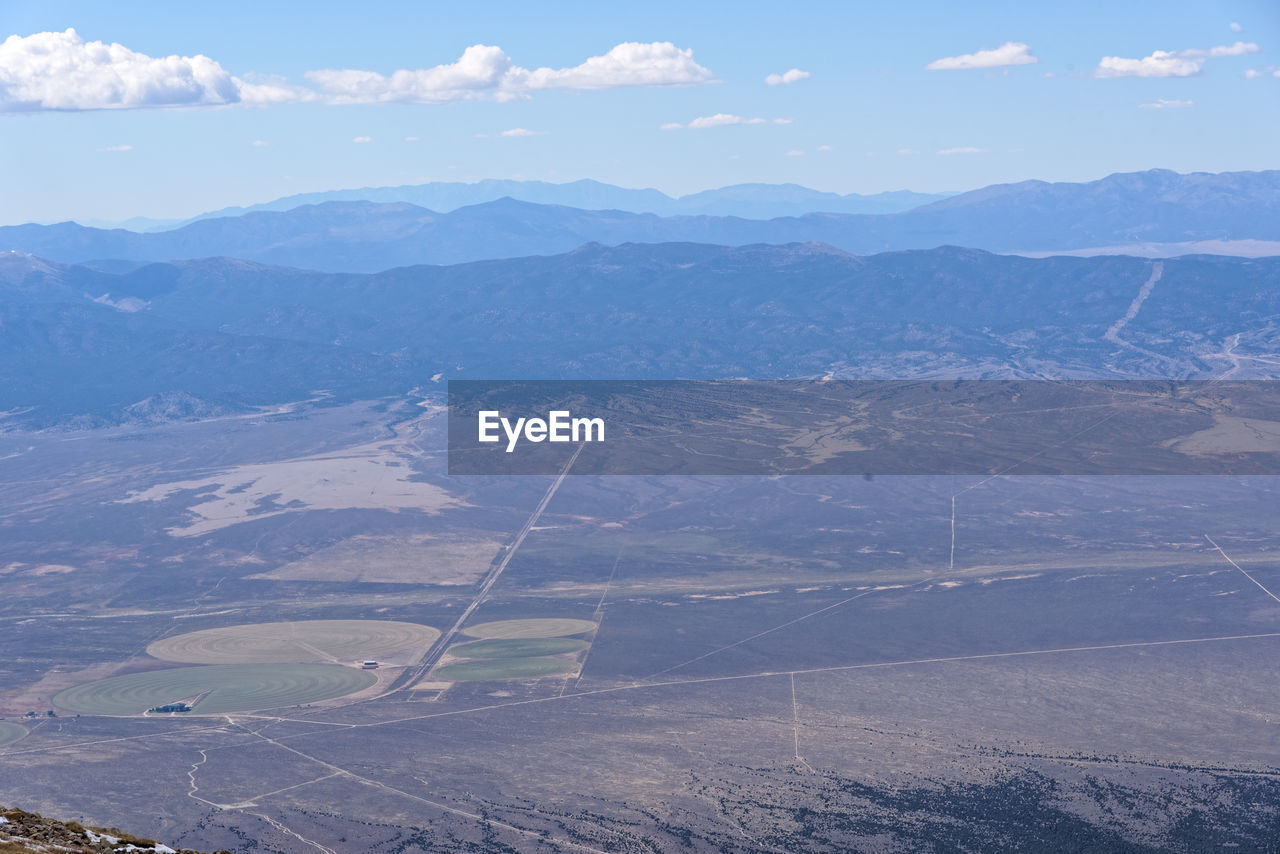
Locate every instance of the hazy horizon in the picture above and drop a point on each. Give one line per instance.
(170, 115)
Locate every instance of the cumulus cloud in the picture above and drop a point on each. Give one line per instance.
(793, 76)
(795, 152)
(1252, 74)
(968, 149)
(627, 64)
(1163, 104)
(517, 132)
(1165, 63)
(723, 120)
(61, 71)
(266, 91)
(824, 148)
(1009, 53)
(1236, 28)
(1162, 63)
(362, 140)
(720, 120)
(486, 72)
(1237, 49)
(477, 73)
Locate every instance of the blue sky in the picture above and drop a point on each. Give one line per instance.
(117, 138)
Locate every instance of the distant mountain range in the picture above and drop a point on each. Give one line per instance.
(750, 201)
(1155, 207)
(195, 337)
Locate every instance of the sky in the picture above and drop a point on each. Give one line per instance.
(168, 110)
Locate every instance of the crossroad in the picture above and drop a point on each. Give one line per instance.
(429, 661)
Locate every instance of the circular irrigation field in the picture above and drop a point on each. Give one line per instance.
(517, 647)
(518, 629)
(505, 668)
(226, 688)
(301, 641)
(9, 733)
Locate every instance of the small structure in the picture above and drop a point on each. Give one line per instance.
(169, 708)
(369, 665)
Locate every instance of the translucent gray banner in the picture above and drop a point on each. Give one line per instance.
(984, 427)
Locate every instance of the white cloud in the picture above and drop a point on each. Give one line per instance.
(968, 149)
(259, 143)
(1163, 104)
(720, 120)
(1252, 74)
(723, 120)
(486, 72)
(1164, 63)
(793, 76)
(61, 71)
(825, 148)
(627, 64)
(795, 152)
(413, 139)
(477, 73)
(1236, 28)
(361, 140)
(517, 132)
(269, 91)
(117, 148)
(1237, 49)
(907, 152)
(1009, 53)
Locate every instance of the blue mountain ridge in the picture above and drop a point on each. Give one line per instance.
(362, 236)
(220, 334)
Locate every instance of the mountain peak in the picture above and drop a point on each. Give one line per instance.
(14, 263)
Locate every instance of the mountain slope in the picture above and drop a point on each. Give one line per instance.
(366, 236)
(1156, 205)
(222, 334)
(22, 832)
